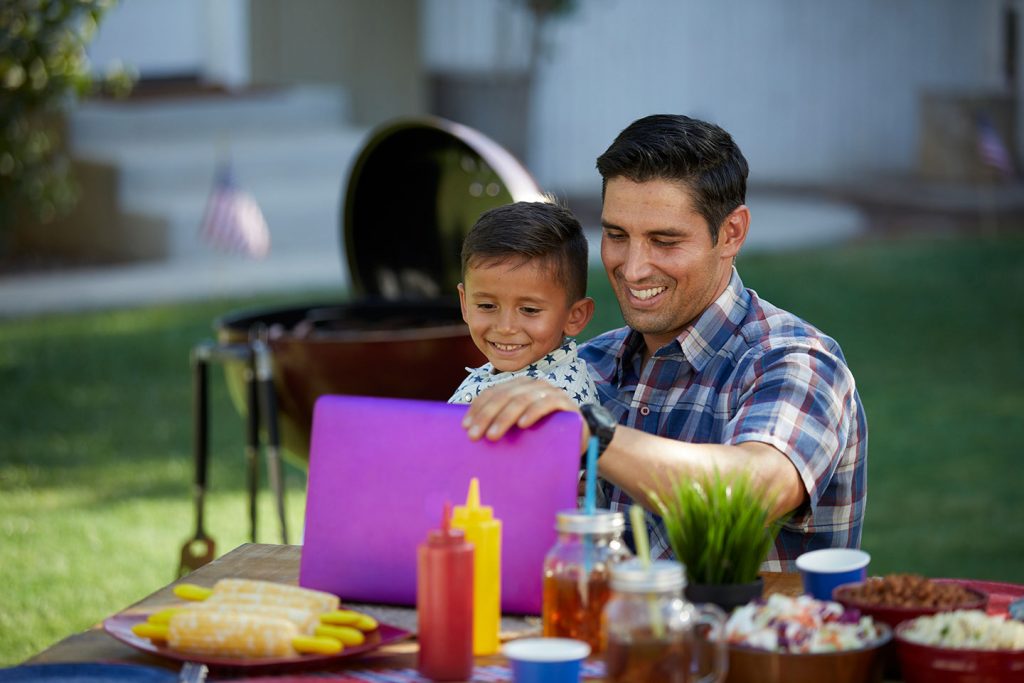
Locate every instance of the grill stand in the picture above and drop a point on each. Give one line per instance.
(261, 407)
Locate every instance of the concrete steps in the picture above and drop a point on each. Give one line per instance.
(291, 150)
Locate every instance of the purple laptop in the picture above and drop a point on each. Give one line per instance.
(380, 471)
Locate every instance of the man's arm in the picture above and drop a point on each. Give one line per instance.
(634, 460)
(639, 462)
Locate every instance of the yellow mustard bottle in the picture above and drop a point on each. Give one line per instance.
(484, 532)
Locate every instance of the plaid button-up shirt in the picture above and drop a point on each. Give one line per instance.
(746, 370)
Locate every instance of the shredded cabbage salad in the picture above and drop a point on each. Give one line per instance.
(801, 624)
(968, 629)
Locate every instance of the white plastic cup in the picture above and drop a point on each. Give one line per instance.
(546, 660)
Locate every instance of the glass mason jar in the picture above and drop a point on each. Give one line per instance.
(576, 574)
(654, 635)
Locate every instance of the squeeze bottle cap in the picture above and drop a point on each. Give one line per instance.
(473, 512)
(446, 535)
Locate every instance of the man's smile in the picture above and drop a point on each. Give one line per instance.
(644, 294)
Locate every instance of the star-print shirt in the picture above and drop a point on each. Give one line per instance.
(746, 370)
(562, 367)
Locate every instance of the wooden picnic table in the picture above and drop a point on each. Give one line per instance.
(270, 563)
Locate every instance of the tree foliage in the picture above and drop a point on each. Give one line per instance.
(44, 70)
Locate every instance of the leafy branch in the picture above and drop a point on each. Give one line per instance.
(43, 71)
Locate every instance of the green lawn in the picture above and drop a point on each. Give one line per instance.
(95, 418)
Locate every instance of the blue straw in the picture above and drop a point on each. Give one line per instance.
(591, 483)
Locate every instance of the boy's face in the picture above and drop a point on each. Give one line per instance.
(518, 312)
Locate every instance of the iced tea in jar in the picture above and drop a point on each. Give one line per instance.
(654, 634)
(577, 574)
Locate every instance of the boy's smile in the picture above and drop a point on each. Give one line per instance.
(517, 311)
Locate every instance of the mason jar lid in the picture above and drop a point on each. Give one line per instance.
(661, 576)
(600, 522)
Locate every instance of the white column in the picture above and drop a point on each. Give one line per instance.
(226, 42)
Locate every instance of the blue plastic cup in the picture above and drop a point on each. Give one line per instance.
(546, 660)
(823, 570)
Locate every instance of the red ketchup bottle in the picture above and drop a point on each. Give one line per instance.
(444, 603)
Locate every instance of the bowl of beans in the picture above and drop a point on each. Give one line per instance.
(896, 598)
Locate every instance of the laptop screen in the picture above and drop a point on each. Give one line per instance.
(380, 472)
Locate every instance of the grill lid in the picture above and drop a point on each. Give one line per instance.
(414, 191)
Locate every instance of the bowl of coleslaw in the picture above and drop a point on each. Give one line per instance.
(781, 639)
(963, 646)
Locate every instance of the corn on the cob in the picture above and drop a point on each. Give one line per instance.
(231, 634)
(275, 593)
(305, 619)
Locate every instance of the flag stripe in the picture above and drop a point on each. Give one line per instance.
(233, 221)
(991, 148)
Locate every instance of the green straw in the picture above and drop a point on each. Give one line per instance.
(643, 545)
(643, 553)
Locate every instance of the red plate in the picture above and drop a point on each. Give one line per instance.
(120, 627)
(1000, 595)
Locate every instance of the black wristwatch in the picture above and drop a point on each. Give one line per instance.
(602, 425)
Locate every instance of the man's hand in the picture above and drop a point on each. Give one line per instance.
(517, 403)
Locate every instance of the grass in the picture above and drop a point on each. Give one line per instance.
(95, 462)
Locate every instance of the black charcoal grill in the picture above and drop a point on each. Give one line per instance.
(413, 193)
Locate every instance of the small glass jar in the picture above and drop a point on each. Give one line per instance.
(577, 574)
(654, 635)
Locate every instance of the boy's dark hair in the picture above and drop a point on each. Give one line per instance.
(674, 147)
(532, 230)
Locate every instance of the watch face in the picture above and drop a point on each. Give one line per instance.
(600, 421)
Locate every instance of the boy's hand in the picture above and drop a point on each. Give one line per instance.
(520, 403)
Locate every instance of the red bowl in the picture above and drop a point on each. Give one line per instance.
(894, 616)
(931, 664)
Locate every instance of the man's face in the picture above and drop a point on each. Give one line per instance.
(658, 254)
(516, 311)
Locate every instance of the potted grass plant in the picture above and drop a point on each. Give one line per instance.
(720, 528)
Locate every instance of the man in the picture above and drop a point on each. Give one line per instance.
(706, 376)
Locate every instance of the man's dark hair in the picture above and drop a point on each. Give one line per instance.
(698, 154)
(528, 231)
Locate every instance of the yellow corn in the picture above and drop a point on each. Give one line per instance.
(150, 630)
(317, 645)
(275, 593)
(346, 617)
(163, 616)
(301, 644)
(340, 617)
(366, 623)
(346, 634)
(190, 591)
(231, 634)
(305, 620)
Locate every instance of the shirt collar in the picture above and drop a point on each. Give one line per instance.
(719, 321)
(700, 341)
(537, 369)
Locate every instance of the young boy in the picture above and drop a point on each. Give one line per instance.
(523, 295)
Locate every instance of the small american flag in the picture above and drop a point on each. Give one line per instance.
(991, 147)
(233, 221)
